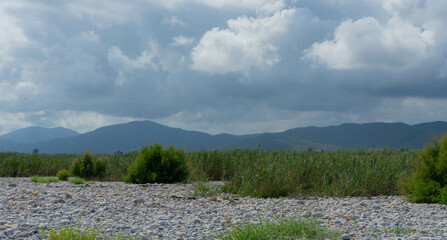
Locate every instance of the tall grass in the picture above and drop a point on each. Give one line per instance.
(257, 173)
(25, 164)
(286, 173)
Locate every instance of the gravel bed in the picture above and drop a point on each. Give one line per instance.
(168, 211)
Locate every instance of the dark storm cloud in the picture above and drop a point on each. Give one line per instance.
(221, 66)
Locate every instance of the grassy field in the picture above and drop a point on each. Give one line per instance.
(257, 173)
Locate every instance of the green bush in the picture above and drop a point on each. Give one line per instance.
(89, 166)
(157, 165)
(63, 175)
(428, 183)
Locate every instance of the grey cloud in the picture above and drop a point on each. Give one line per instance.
(85, 64)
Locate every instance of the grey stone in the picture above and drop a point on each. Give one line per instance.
(317, 215)
(345, 236)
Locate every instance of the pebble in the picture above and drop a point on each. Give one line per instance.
(169, 211)
(345, 236)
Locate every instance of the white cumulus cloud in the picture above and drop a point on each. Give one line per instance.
(366, 43)
(247, 43)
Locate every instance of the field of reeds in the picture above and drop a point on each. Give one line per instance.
(256, 173)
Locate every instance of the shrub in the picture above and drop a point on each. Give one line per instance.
(63, 175)
(428, 183)
(157, 165)
(88, 166)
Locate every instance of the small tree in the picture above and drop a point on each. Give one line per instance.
(428, 184)
(157, 165)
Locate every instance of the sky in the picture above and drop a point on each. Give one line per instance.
(234, 66)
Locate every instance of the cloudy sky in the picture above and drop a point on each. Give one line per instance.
(236, 66)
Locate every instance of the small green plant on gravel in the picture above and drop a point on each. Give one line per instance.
(157, 165)
(39, 179)
(280, 228)
(63, 175)
(65, 233)
(428, 183)
(78, 180)
(206, 189)
(399, 229)
(89, 166)
(81, 233)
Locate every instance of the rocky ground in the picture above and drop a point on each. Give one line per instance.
(168, 211)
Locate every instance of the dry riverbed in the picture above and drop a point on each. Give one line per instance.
(169, 211)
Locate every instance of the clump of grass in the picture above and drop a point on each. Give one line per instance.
(69, 232)
(81, 233)
(205, 189)
(40, 179)
(399, 229)
(280, 228)
(78, 180)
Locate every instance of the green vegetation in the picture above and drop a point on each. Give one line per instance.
(280, 228)
(89, 166)
(246, 172)
(428, 183)
(80, 233)
(398, 229)
(63, 175)
(78, 180)
(26, 165)
(39, 179)
(157, 165)
(287, 173)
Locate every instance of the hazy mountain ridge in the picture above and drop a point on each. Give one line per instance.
(131, 136)
(38, 134)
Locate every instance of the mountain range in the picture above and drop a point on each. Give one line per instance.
(131, 136)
